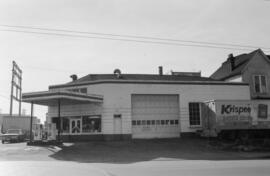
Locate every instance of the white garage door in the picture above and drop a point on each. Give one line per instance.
(155, 116)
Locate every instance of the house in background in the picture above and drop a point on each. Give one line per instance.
(252, 68)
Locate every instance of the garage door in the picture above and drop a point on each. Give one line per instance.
(155, 116)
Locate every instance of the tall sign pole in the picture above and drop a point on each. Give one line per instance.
(16, 85)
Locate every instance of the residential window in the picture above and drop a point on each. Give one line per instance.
(260, 83)
(91, 124)
(194, 114)
(263, 111)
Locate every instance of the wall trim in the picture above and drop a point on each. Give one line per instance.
(149, 82)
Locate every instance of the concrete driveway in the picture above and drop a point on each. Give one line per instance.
(125, 151)
(143, 157)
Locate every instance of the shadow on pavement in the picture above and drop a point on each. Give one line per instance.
(146, 150)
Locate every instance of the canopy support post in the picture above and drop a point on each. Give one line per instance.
(60, 120)
(31, 122)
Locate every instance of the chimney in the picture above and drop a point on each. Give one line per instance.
(160, 70)
(74, 77)
(231, 61)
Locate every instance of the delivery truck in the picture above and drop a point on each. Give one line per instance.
(236, 119)
(17, 122)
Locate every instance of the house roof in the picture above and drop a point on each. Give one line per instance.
(139, 79)
(224, 71)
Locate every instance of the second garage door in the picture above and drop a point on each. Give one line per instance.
(155, 116)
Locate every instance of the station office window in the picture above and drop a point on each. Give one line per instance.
(260, 83)
(65, 123)
(91, 124)
(79, 90)
(194, 114)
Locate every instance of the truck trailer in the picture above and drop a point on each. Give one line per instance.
(236, 119)
(17, 122)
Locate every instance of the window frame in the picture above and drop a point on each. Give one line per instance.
(260, 83)
(200, 114)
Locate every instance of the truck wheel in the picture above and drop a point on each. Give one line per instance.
(3, 141)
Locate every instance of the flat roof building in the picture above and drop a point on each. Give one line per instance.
(132, 106)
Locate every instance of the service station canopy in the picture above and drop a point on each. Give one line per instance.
(52, 98)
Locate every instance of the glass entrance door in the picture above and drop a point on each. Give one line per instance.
(75, 126)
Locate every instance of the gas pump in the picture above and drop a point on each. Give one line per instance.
(37, 128)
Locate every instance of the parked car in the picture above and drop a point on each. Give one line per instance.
(13, 135)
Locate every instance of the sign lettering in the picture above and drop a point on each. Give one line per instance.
(229, 109)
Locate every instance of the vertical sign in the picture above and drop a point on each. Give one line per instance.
(16, 85)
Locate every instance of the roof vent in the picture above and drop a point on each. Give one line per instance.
(74, 77)
(186, 73)
(117, 72)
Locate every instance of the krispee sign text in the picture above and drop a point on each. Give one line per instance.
(229, 109)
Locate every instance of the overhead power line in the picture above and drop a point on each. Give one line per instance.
(130, 36)
(127, 38)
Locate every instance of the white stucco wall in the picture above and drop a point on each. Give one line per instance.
(237, 78)
(117, 100)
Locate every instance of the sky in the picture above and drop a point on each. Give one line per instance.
(50, 59)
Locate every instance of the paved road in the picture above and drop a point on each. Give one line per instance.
(150, 168)
(193, 168)
(48, 168)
